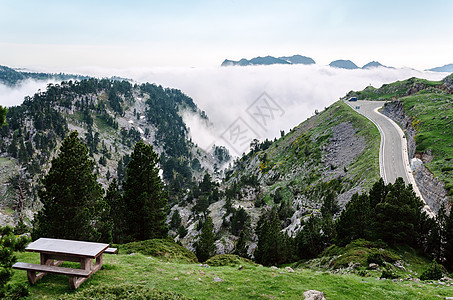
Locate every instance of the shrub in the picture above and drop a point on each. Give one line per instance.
(433, 272)
(388, 274)
(375, 257)
(165, 249)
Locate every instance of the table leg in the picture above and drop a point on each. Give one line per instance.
(34, 276)
(45, 260)
(98, 263)
(86, 263)
(31, 276)
(75, 282)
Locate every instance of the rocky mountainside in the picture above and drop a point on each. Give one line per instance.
(335, 151)
(111, 116)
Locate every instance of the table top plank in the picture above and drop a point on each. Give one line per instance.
(67, 247)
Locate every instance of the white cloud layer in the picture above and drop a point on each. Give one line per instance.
(226, 94)
(12, 96)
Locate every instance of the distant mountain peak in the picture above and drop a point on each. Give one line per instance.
(270, 60)
(298, 59)
(445, 68)
(343, 64)
(373, 64)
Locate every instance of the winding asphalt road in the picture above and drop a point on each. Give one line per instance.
(393, 157)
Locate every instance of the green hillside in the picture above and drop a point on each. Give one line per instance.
(394, 90)
(308, 159)
(432, 116)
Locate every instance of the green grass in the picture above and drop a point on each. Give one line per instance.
(228, 260)
(392, 90)
(197, 282)
(102, 125)
(432, 114)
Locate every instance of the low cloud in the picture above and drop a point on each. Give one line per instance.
(14, 95)
(232, 93)
(232, 96)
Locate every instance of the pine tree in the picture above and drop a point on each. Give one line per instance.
(144, 196)
(206, 184)
(399, 215)
(274, 247)
(3, 112)
(355, 221)
(202, 205)
(175, 220)
(70, 195)
(330, 205)
(310, 240)
(117, 212)
(205, 247)
(9, 243)
(448, 252)
(437, 237)
(241, 246)
(239, 221)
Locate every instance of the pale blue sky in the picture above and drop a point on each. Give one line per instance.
(138, 33)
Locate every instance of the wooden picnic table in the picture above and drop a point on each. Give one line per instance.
(54, 252)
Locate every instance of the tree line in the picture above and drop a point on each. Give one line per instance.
(390, 213)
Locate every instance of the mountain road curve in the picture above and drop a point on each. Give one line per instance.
(393, 157)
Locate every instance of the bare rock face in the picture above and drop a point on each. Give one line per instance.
(448, 83)
(314, 295)
(415, 88)
(433, 190)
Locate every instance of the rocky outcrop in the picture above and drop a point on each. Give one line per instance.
(415, 88)
(432, 190)
(314, 295)
(448, 83)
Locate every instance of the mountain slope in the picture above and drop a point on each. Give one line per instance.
(111, 116)
(331, 151)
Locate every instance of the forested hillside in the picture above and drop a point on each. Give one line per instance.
(332, 155)
(111, 116)
(10, 76)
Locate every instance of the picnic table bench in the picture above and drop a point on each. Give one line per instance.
(53, 252)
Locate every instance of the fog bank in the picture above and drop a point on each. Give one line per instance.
(256, 100)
